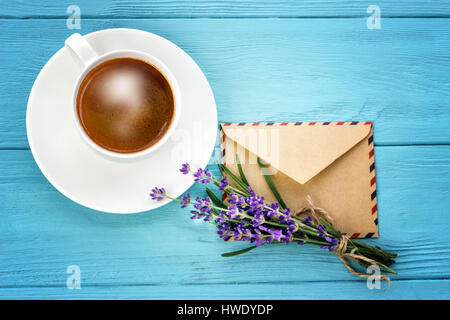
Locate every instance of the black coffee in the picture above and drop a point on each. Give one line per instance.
(125, 105)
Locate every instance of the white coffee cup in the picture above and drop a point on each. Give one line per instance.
(78, 44)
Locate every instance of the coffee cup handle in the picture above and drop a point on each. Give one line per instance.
(79, 45)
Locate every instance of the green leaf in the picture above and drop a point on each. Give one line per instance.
(241, 173)
(235, 253)
(235, 178)
(219, 203)
(272, 186)
(330, 228)
(220, 168)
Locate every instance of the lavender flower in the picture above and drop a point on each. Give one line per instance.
(252, 221)
(223, 183)
(235, 199)
(277, 234)
(244, 219)
(271, 213)
(207, 177)
(321, 229)
(196, 214)
(185, 200)
(158, 194)
(292, 226)
(307, 221)
(250, 190)
(198, 174)
(204, 205)
(204, 176)
(331, 240)
(274, 205)
(185, 168)
(245, 216)
(285, 216)
(233, 212)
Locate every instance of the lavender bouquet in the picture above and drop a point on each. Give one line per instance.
(245, 216)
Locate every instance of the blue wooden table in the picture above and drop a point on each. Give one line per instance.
(266, 61)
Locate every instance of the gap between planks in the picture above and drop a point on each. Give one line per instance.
(249, 17)
(123, 284)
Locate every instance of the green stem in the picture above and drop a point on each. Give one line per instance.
(312, 241)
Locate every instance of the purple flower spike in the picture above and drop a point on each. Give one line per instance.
(185, 201)
(198, 174)
(331, 240)
(233, 212)
(204, 176)
(223, 183)
(204, 205)
(321, 228)
(196, 215)
(271, 214)
(158, 194)
(308, 221)
(277, 234)
(235, 199)
(185, 168)
(207, 176)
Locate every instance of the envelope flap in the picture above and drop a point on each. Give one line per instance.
(299, 151)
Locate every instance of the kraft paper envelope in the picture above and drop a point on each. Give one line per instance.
(332, 162)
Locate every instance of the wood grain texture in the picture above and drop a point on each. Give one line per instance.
(266, 61)
(272, 69)
(163, 254)
(354, 290)
(222, 9)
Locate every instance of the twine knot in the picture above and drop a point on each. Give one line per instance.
(341, 252)
(341, 247)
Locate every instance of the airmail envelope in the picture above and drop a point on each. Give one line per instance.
(332, 162)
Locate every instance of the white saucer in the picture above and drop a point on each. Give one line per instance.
(85, 176)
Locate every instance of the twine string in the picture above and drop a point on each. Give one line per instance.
(315, 211)
(341, 248)
(340, 251)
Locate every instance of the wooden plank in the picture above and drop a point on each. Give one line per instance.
(220, 9)
(353, 290)
(170, 256)
(284, 70)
